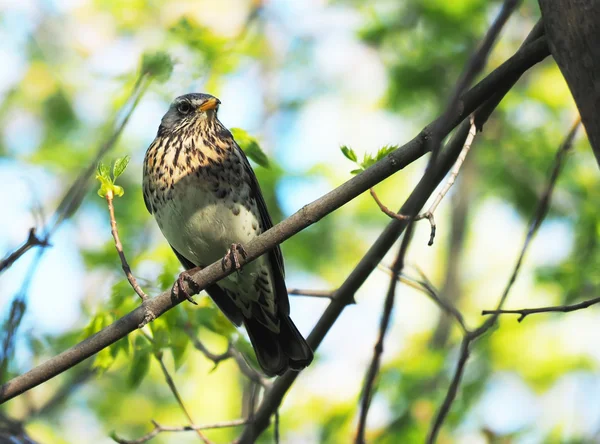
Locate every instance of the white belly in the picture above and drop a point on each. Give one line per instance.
(202, 228)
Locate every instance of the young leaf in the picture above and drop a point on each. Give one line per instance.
(357, 171)
(119, 166)
(349, 153)
(103, 171)
(250, 146)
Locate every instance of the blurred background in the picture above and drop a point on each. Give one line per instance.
(303, 77)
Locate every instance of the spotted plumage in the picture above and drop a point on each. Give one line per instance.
(204, 195)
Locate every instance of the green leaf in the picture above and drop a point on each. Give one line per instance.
(117, 190)
(140, 364)
(369, 160)
(158, 65)
(250, 146)
(179, 346)
(160, 334)
(357, 171)
(349, 153)
(103, 171)
(119, 166)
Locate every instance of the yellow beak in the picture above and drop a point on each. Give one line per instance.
(209, 104)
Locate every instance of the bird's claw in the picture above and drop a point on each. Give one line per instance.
(179, 285)
(232, 257)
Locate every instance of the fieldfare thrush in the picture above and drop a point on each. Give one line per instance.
(202, 191)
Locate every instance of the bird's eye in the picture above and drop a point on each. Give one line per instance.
(184, 107)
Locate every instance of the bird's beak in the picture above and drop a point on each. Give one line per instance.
(209, 104)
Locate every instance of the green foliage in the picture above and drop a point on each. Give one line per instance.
(250, 146)
(368, 159)
(157, 65)
(107, 182)
(140, 363)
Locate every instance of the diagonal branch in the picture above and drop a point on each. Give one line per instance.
(473, 68)
(373, 370)
(32, 241)
(526, 57)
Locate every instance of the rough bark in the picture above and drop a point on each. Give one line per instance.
(573, 32)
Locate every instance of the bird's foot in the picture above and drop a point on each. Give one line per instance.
(179, 285)
(232, 257)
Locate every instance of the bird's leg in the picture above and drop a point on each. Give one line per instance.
(179, 285)
(232, 257)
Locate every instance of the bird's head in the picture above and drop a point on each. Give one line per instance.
(190, 110)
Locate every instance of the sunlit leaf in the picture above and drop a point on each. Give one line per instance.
(140, 363)
(120, 166)
(250, 146)
(349, 153)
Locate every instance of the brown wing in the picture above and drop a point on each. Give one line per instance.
(275, 256)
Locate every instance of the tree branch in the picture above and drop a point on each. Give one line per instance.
(160, 429)
(325, 294)
(119, 247)
(373, 370)
(552, 309)
(515, 66)
(472, 69)
(32, 241)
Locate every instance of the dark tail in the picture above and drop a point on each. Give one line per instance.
(278, 352)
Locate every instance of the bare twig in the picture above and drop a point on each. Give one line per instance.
(397, 267)
(160, 429)
(552, 309)
(538, 217)
(451, 179)
(425, 286)
(32, 241)
(231, 352)
(524, 59)
(115, 234)
(325, 294)
(472, 69)
(173, 387)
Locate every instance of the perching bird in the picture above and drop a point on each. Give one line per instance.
(202, 191)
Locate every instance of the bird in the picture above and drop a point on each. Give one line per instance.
(205, 197)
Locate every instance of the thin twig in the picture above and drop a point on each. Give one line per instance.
(472, 69)
(552, 309)
(451, 179)
(425, 286)
(325, 294)
(160, 429)
(536, 221)
(231, 352)
(32, 241)
(115, 234)
(397, 267)
(173, 387)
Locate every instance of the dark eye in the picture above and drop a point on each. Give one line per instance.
(184, 107)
